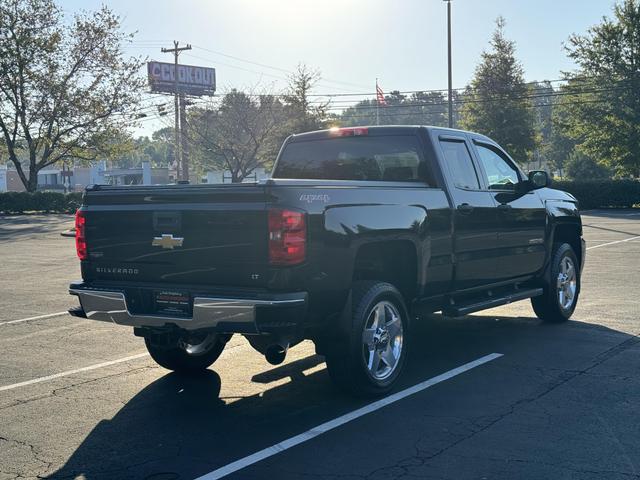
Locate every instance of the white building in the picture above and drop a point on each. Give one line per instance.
(224, 176)
(78, 178)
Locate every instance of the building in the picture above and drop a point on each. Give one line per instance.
(220, 176)
(78, 178)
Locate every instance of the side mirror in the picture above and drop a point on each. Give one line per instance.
(539, 179)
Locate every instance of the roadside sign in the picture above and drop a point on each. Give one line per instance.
(192, 80)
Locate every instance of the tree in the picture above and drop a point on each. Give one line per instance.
(65, 87)
(247, 129)
(128, 152)
(581, 167)
(303, 115)
(496, 102)
(604, 92)
(236, 136)
(419, 108)
(559, 145)
(543, 102)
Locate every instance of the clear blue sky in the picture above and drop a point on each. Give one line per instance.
(402, 42)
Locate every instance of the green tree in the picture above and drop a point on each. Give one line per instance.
(543, 103)
(581, 167)
(419, 108)
(302, 113)
(496, 102)
(65, 86)
(128, 152)
(559, 146)
(604, 92)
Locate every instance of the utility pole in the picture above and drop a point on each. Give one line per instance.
(180, 167)
(449, 55)
(183, 139)
(377, 104)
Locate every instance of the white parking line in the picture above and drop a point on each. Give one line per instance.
(72, 372)
(39, 317)
(346, 418)
(613, 243)
(230, 350)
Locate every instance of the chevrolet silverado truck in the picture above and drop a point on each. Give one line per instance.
(357, 234)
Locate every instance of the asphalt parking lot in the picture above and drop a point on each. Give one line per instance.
(80, 399)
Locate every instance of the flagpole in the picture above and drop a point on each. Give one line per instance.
(377, 105)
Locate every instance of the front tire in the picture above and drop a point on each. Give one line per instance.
(371, 357)
(189, 354)
(560, 296)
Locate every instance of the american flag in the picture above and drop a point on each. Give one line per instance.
(380, 96)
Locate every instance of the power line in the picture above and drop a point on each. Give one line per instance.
(264, 65)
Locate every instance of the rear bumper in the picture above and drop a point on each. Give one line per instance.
(265, 313)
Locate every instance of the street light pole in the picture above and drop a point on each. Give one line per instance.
(449, 55)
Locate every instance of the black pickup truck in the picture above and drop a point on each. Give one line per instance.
(357, 233)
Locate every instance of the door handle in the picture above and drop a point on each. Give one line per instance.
(465, 208)
(504, 206)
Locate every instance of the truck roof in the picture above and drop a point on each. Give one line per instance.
(375, 130)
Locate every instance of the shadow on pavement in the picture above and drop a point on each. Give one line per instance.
(22, 226)
(179, 427)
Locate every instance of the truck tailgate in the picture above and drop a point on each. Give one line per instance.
(200, 235)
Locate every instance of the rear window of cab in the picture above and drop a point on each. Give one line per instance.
(393, 158)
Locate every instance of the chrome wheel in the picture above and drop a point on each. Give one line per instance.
(198, 345)
(566, 283)
(382, 340)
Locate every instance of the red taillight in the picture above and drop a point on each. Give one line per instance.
(287, 237)
(81, 241)
(350, 132)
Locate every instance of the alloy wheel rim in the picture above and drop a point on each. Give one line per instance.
(567, 283)
(199, 346)
(382, 340)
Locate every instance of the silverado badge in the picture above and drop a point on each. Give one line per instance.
(167, 241)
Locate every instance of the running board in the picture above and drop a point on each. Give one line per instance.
(466, 309)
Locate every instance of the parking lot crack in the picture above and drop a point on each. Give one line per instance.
(45, 465)
(420, 458)
(562, 466)
(56, 392)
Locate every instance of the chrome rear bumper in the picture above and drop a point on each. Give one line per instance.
(226, 315)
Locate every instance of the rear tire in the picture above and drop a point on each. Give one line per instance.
(370, 354)
(188, 355)
(560, 296)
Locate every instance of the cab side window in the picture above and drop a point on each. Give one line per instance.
(499, 173)
(460, 165)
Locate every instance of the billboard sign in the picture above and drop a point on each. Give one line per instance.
(192, 80)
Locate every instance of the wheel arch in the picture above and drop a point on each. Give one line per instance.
(571, 233)
(390, 261)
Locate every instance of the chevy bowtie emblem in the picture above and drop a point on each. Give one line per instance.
(167, 241)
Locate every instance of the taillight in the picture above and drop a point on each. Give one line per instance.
(81, 240)
(287, 237)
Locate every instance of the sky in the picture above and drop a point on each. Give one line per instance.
(351, 42)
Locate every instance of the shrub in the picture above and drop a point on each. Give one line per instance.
(47, 202)
(579, 166)
(602, 193)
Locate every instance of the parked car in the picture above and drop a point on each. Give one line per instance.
(358, 231)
